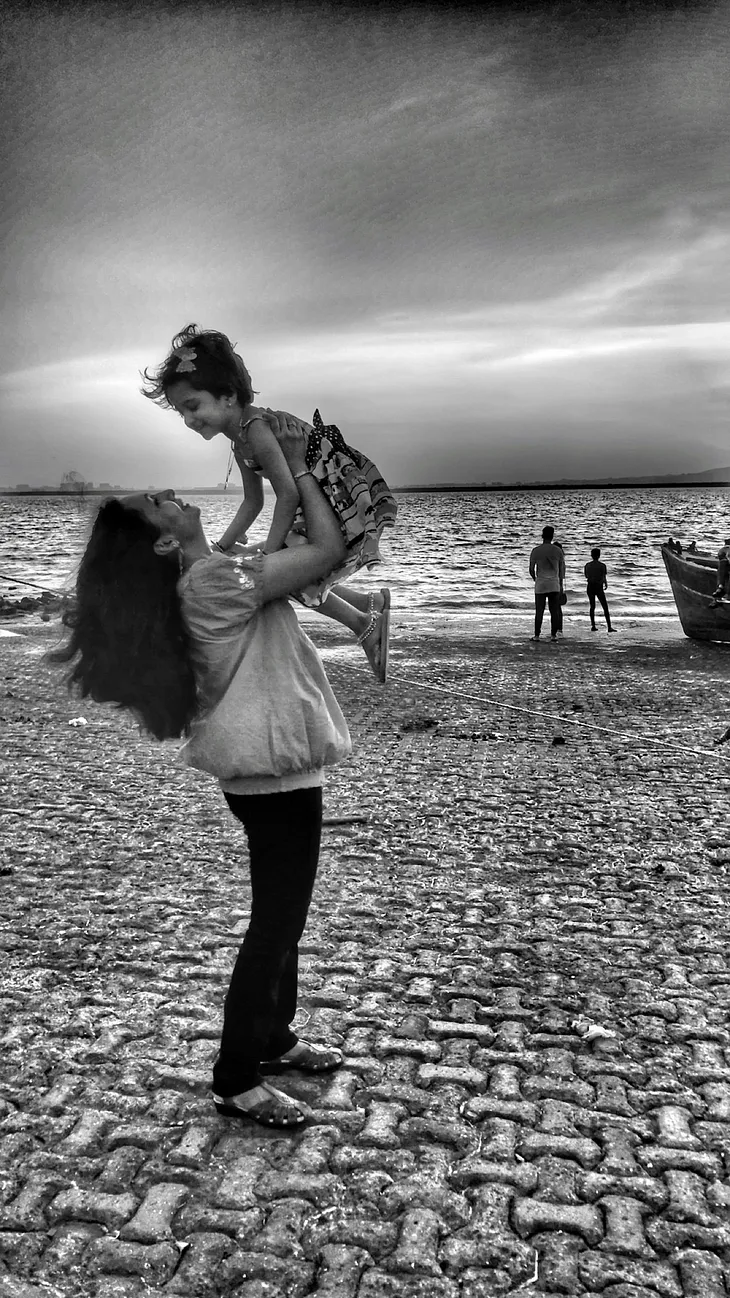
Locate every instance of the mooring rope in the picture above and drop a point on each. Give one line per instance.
(23, 581)
(550, 716)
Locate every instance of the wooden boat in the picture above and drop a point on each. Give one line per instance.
(693, 578)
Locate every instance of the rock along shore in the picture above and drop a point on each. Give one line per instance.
(518, 937)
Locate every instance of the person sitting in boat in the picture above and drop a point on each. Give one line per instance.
(723, 572)
(674, 545)
(692, 547)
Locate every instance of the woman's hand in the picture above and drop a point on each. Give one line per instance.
(301, 424)
(291, 434)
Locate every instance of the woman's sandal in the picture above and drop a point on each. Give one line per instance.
(307, 1058)
(383, 617)
(274, 1109)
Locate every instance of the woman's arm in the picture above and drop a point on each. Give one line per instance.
(287, 571)
(270, 457)
(248, 510)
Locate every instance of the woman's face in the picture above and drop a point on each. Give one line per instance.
(172, 516)
(205, 414)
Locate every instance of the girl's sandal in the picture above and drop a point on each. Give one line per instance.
(307, 1058)
(381, 621)
(274, 1109)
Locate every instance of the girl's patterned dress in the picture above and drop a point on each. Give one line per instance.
(358, 493)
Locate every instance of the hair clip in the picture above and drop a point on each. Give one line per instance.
(185, 358)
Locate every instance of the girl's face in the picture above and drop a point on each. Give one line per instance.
(205, 414)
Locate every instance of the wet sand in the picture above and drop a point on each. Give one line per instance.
(527, 840)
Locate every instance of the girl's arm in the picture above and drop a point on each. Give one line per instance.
(248, 510)
(270, 457)
(287, 571)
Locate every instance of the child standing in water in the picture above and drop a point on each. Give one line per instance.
(596, 575)
(207, 383)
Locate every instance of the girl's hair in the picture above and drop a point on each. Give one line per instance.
(207, 361)
(595, 553)
(128, 637)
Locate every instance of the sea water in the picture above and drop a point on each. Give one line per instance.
(461, 552)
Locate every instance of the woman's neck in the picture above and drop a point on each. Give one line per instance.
(194, 550)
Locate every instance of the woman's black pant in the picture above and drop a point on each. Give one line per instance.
(283, 832)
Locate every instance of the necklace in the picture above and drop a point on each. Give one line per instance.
(230, 466)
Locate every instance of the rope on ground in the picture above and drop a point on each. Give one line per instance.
(23, 581)
(551, 716)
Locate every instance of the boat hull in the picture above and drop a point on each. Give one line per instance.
(693, 579)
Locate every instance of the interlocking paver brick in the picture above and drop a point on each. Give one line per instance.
(237, 1186)
(596, 1185)
(415, 1253)
(380, 1129)
(75, 1204)
(195, 1274)
(673, 1122)
(702, 1275)
(668, 1236)
(558, 1179)
(598, 1271)
(656, 1158)
(261, 1275)
(531, 1216)
(624, 1226)
(153, 1219)
(557, 1261)
(321, 1188)
(474, 1171)
(283, 1230)
(153, 1263)
(533, 1144)
(340, 1270)
(687, 1200)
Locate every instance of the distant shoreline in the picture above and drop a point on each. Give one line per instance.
(462, 488)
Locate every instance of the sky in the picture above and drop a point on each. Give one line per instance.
(490, 244)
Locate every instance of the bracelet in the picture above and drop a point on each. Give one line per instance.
(216, 545)
(305, 473)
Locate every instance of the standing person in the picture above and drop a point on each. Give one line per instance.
(563, 597)
(207, 383)
(596, 574)
(199, 643)
(547, 569)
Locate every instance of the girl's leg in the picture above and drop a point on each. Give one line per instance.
(283, 831)
(604, 606)
(351, 608)
(592, 609)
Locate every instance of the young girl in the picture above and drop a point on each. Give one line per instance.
(207, 383)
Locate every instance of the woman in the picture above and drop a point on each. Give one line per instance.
(204, 644)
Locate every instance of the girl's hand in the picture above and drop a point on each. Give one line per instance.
(291, 434)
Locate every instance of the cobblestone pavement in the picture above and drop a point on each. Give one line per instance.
(492, 904)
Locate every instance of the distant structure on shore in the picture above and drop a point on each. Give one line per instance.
(74, 483)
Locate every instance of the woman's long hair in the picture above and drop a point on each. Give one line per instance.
(128, 642)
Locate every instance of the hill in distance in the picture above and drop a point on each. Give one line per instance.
(704, 478)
